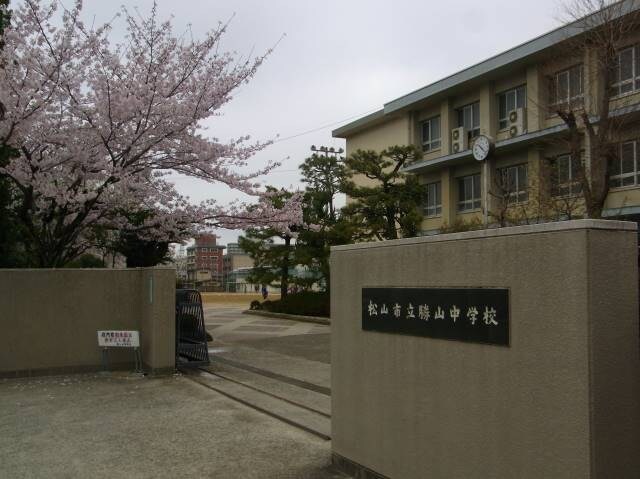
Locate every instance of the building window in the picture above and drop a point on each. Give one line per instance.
(434, 199)
(469, 117)
(469, 193)
(509, 101)
(513, 182)
(430, 134)
(565, 176)
(567, 88)
(624, 169)
(626, 73)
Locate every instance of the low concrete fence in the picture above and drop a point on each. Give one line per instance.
(556, 396)
(49, 319)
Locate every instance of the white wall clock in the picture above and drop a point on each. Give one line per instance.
(482, 147)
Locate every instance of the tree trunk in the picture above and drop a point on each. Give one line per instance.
(284, 270)
(392, 232)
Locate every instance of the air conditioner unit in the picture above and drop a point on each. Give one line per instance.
(517, 122)
(459, 140)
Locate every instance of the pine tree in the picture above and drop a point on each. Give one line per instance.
(324, 176)
(388, 206)
(273, 251)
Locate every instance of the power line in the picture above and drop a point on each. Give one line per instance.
(296, 136)
(323, 127)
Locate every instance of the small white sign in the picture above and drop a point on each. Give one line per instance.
(119, 339)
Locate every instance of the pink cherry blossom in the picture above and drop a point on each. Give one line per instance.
(99, 127)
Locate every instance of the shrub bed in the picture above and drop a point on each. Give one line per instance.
(306, 303)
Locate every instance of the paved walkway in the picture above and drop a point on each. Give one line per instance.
(96, 426)
(277, 366)
(227, 324)
(260, 410)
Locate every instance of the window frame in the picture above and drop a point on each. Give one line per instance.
(634, 81)
(475, 130)
(504, 94)
(475, 202)
(571, 98)
(433, 210)
(635, 174)
(514, 197)
(432, 144)
(574, 185)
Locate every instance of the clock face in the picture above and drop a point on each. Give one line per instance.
(481, 148)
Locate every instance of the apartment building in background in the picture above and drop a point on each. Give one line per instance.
(205, 261)
(507, 106)
(237, 264)
(235, 258)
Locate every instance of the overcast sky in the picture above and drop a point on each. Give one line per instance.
(339, 60)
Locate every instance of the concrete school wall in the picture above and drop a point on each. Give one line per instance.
(561, 401)
(49, 318)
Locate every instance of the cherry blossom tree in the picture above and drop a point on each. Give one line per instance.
(99, 129)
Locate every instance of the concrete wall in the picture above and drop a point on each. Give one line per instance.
(562, 401)
(49, 318)
(394, 132)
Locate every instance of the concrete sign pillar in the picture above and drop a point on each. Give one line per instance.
(559, 399)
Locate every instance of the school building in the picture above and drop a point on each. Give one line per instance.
(493, 144)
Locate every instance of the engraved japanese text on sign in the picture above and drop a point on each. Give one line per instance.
(465, 314)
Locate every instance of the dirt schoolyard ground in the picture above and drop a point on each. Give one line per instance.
(235, 298)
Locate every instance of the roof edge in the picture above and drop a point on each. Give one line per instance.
(517, 53)
(358, 124)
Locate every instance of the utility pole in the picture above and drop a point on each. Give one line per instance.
(327, 151)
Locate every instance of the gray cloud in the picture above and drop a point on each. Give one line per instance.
(338, 59)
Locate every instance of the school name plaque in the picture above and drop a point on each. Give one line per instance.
(479, 315)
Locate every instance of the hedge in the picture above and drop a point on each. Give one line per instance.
(306, 303)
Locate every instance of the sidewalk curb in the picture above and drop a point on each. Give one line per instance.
(291, 317)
